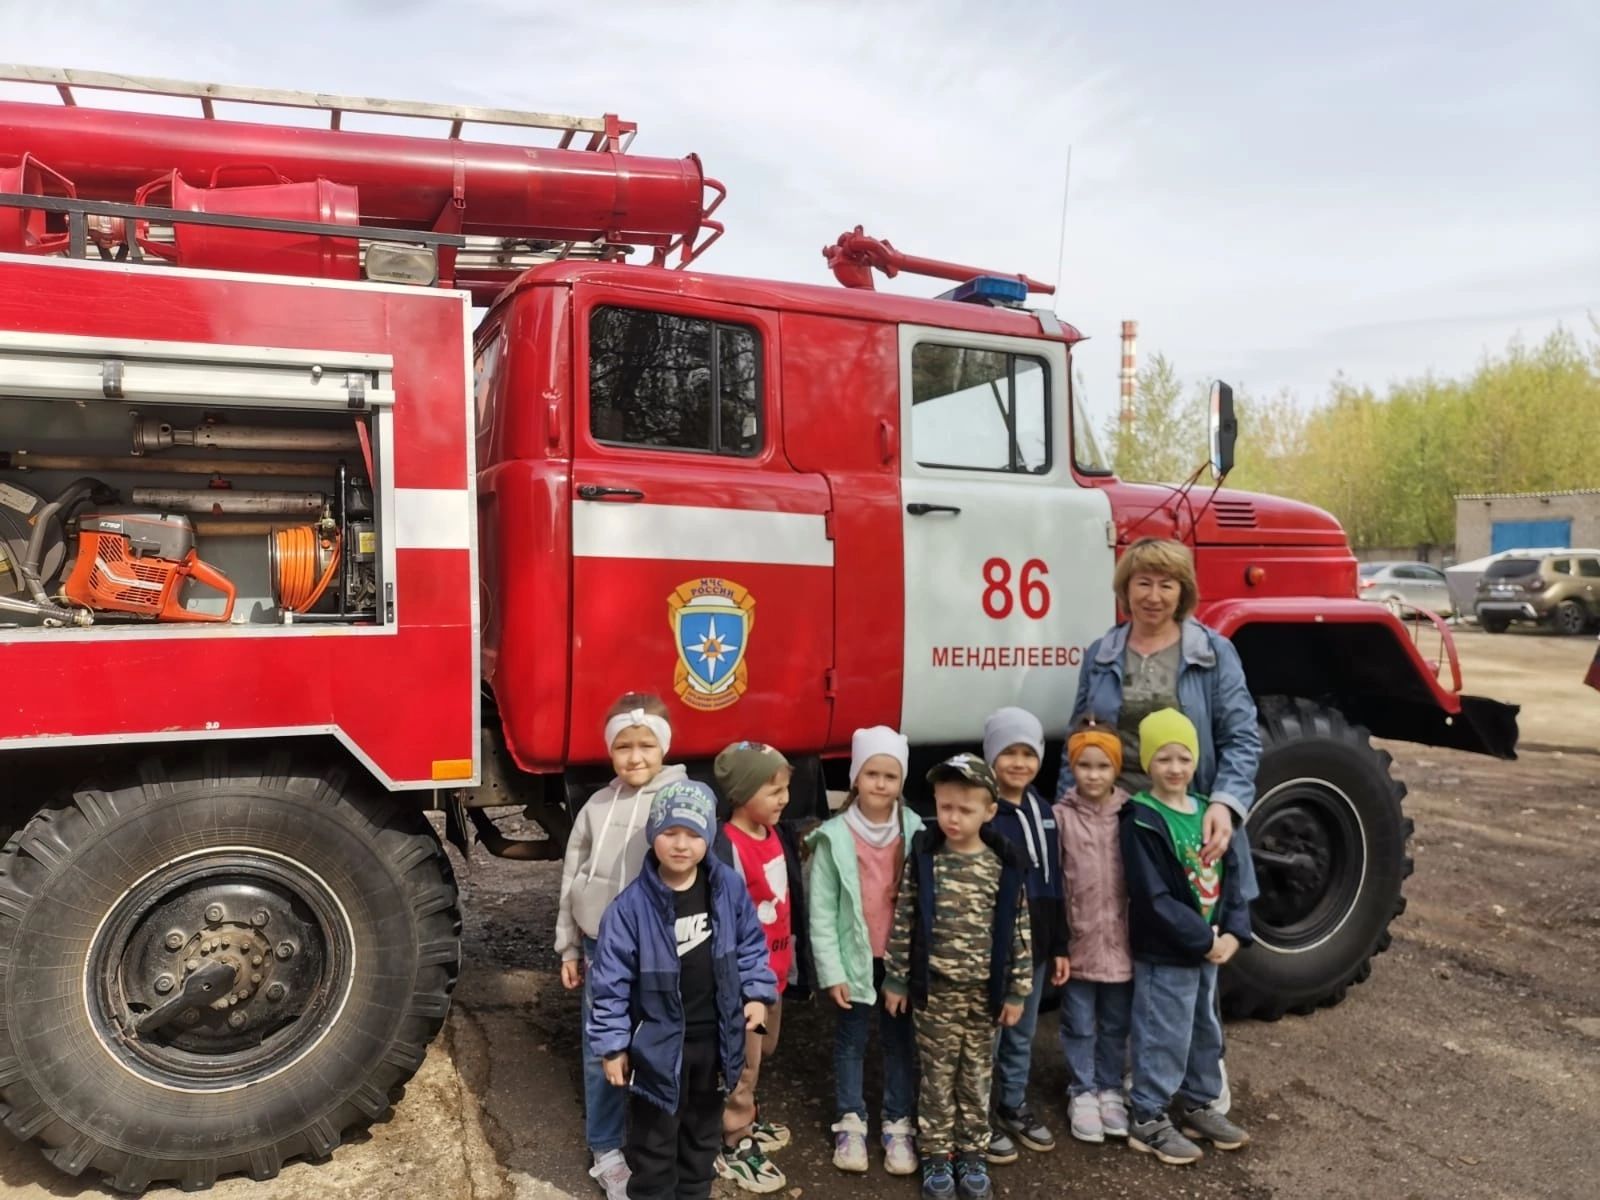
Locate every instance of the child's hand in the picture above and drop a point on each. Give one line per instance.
(840, 994)
(572, 973)
(1010, 1014)
(617, 1070)
(755, 1013)
(894, 1003)
(1060, 971)
(1223, 947)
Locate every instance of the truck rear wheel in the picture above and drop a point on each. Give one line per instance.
(1328, 840)
(217, 968)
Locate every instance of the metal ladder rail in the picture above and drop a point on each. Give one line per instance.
(606, 132)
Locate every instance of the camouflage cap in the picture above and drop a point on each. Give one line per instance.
(968, 768)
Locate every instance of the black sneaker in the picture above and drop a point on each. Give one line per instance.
(938, 1177)
(1022, 1124)
(972, 1176)
(1002, 1149)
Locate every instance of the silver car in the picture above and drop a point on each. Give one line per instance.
(1403, 585)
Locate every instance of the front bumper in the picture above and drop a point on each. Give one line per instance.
(1519, 609)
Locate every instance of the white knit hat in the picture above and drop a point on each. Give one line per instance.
(874, 740)
(1008, 727)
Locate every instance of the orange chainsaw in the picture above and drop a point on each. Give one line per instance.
(138, 562)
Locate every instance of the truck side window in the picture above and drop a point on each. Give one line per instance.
(1589, 568)
(673, 382)
(980, 410)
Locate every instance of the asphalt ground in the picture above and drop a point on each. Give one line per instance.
(1467, 1066)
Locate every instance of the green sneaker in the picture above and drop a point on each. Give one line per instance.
(749, 1167)
(769, 1135)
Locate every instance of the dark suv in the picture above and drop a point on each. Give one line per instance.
(1561, 589)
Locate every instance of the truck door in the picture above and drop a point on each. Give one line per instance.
(1008, 566)
(702, 566)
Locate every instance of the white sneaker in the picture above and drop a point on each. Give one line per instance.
(850, 1143)
(1114, 1113)
(1083, 1113)
(611, 1172)
(899, 1151)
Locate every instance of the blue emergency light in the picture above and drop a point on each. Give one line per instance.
(989, 289)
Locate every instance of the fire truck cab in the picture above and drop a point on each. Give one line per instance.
(296, 549)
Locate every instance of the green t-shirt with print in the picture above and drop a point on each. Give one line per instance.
(1186, 829)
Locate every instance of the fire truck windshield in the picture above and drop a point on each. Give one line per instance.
(1086, 453)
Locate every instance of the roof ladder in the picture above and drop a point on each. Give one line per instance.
(604, 132)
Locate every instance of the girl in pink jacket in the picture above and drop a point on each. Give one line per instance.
(1097, 1002)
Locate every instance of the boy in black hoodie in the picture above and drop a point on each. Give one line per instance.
(1186, 917)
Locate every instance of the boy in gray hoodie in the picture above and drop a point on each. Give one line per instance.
(604, 854)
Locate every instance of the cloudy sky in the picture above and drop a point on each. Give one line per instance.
(1277, 192)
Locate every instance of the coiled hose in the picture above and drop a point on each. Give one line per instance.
(295, 554)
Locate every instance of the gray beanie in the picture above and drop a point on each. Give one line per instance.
(1011, 727)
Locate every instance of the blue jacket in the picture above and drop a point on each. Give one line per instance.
(1211, 692)
(635, 1002)
(1023, 825)
(1164, 921)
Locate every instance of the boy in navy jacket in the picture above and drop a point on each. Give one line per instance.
(680, 974)
(1186, 917)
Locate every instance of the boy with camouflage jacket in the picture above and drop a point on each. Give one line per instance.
(959, 955)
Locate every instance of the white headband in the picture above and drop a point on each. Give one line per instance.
(638, 716)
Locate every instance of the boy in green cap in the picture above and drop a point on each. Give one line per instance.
(1186, 917)
(959, 955)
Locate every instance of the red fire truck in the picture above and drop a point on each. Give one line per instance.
(295, 547)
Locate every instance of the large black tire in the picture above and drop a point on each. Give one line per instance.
(1494, 624)
(1328, 840)
(333, 910)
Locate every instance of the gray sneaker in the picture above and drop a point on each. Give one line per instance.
(1206, 1122)
(1024, 1126)
(1002, 1149)
(1158, 1137)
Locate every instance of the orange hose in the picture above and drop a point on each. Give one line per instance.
(299, 588)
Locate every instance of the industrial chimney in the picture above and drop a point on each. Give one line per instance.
(1130, 339)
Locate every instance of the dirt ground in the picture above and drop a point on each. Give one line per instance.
(1468, 1066)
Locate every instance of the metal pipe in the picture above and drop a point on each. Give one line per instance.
(27, 460)
(152, 435)
(211, 529)
(227, 500)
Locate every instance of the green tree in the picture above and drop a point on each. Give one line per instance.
(1165, 439)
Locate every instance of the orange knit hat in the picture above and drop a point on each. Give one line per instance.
(1103, 738)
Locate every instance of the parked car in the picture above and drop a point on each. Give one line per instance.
(1561, 589)
(1402, 584)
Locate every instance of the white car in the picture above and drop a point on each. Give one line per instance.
(1403, 585)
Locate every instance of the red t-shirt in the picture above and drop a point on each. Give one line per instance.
(766, 875)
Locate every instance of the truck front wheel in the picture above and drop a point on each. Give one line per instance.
(1328, 840)
(217, 967)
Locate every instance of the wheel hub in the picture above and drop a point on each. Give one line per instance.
(1309, 854)
(218, 970)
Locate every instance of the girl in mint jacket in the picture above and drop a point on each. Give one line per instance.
(856, 862)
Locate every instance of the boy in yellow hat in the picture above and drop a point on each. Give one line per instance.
(1186, 917)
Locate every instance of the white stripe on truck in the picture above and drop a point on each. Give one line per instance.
(628, 529)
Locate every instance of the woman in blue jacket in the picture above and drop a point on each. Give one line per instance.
(1164, 658)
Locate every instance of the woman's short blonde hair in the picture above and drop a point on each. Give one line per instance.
(1158, 556)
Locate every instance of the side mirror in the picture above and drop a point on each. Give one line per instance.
(1224, 429)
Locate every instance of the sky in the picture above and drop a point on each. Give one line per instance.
(1276, 192)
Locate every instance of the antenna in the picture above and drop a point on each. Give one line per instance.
(1061, 245)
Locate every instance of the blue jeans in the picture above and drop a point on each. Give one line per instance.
(604, 1107)
(1177, 1038)
(1094, 1034)
(1013, 1052)
(850, 1054)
